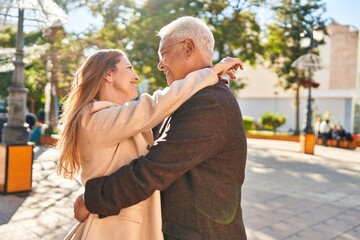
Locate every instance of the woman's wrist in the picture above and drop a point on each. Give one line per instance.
(217, 69)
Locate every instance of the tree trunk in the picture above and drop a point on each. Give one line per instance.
(32, 105)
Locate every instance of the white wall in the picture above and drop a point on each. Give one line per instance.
(257, 107)
(338, 107)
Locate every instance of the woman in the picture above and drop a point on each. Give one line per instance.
(103, 131)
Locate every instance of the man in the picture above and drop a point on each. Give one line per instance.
(198, 159)
(324, 130)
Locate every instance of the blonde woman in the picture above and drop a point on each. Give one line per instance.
(104, 130)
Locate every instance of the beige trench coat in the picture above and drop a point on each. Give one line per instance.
(112, 136)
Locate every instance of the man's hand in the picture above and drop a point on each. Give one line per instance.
(81, 213)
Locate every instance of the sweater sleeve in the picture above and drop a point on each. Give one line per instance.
(115, 123)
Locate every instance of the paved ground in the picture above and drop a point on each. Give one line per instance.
(287, 195)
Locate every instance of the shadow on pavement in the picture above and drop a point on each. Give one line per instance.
(9, 204)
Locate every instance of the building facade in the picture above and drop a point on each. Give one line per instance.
(338, 93)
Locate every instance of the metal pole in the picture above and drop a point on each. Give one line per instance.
(297, 103)
(308, 128)
(16, 131)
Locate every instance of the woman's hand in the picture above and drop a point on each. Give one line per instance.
(227, 66)
(80, 211)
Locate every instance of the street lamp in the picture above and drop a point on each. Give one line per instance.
(15, 151)
(309, 62)
(41, 12)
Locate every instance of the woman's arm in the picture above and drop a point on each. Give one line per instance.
(114, 124)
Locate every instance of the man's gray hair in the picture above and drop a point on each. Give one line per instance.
(190, 27)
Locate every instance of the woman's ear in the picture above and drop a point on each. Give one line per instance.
(109, 76)
(189, 47)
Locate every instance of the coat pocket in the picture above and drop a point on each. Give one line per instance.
(175, 231)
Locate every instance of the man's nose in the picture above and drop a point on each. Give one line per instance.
(160, 65)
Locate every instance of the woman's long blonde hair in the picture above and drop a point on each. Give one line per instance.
(84, 89)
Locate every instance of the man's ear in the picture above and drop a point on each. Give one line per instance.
(189, 47)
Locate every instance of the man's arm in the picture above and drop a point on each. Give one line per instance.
(194, 136)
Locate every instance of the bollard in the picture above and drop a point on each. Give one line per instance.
(307, 143)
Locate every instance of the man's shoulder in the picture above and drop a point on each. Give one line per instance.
(216, 96)
(217, 91)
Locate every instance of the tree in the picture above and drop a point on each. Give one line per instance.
(235, 29)
(132, 26)
(7, 40)
(64, 48)
(293, 18)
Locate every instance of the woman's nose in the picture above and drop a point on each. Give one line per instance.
(137, 78)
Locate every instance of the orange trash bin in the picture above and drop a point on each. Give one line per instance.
(307, 143)
(15, 168)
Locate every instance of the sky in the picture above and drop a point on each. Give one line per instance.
(346, 12)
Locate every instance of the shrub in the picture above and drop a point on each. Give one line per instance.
(271, 121)
(249, 123)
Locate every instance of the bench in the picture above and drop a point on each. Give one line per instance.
(342, 143)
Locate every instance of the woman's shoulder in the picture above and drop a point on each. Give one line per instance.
(95, 110)
(96, 106)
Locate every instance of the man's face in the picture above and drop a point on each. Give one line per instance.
(172, 59)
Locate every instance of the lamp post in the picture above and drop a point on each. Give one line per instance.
(309, 62)
(15, 151)
(44, 12)
(308, 127)
(16, 131)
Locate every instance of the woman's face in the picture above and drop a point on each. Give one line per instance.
(124, 80)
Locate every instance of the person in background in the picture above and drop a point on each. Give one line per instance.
(30, 119)
(324, 130)
(317, 129)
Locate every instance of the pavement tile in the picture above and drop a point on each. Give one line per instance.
(353, 234)
(9, 205)
(280, 230)
(314, 191)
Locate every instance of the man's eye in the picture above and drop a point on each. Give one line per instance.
(162, 56)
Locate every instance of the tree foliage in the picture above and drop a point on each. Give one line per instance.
(293, 18)
(37, 72)
(8, 40)
(131, 25)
